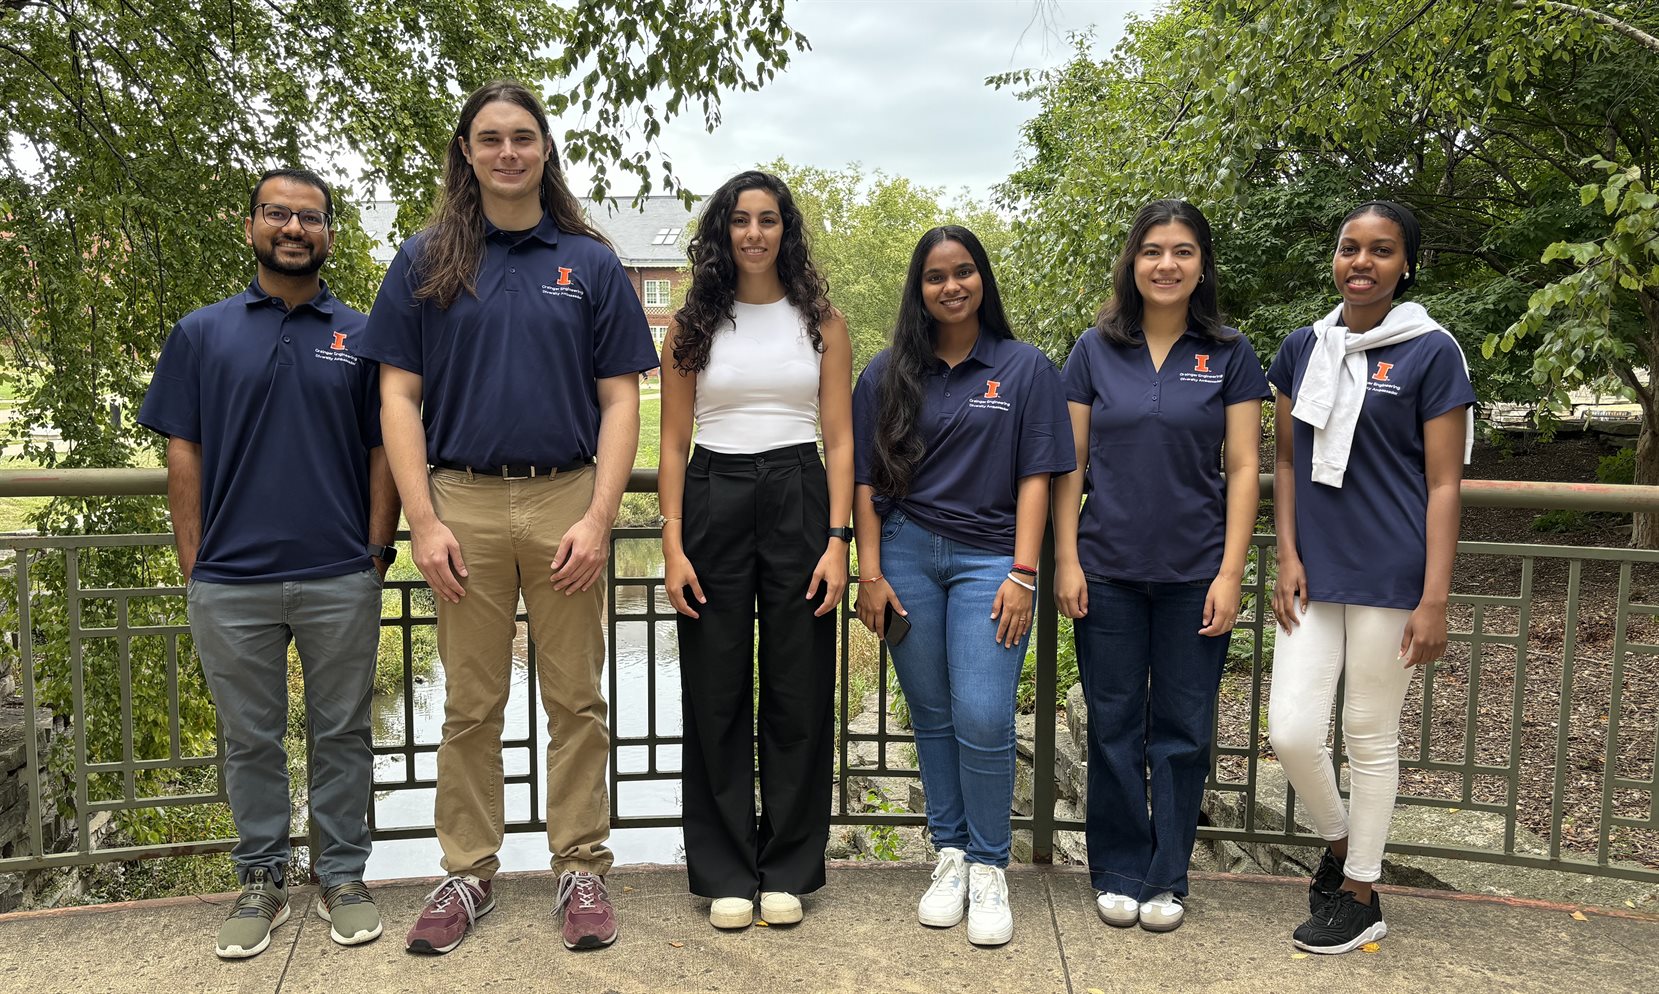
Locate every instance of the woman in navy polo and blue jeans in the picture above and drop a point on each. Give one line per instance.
(1373, 425)
(957, 430)
(1160, 392)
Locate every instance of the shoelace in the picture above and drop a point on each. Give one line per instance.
(585, 887)
(991, 891)
(352, 892)
(256, 904)
(458, 890)
(948, 864)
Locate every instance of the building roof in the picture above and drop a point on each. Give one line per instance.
(653, 236)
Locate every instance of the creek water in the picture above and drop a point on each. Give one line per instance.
(630, 714)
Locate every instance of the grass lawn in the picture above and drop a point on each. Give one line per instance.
(650, 417)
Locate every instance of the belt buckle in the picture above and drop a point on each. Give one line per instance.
(507, 476)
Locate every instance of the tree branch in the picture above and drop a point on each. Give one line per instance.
(1622, 27)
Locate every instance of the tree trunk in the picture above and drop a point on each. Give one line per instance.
(1645, 534)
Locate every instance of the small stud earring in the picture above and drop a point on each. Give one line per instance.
(1407, 275)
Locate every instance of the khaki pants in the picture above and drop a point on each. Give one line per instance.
(509, 531)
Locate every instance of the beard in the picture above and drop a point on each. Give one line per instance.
(268, 257)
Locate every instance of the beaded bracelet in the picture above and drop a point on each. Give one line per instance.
(1024, 570)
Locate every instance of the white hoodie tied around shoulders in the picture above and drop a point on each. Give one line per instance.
(1333, 386)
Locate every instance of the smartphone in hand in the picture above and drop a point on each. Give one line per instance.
(894, 626)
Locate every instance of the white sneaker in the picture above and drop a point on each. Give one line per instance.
(990, 920)
(779, 907)
(1118, 910)
(947, 896)
(732, 912)
(1163, 913)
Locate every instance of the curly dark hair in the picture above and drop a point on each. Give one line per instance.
(899, 447)
(713, 290)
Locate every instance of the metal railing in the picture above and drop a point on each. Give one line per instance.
(126, 644)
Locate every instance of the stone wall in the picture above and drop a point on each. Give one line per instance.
(45, 888)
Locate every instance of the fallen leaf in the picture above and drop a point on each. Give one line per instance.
(626, 889)
(1631, 905)
(1096, 990)
(1370, 947)
(1298, 955)
(1579, 916)
(677, 945)
(761, 922)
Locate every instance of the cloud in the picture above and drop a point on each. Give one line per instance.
(897, 86)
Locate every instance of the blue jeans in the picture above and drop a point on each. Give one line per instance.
(959, 684)
(1150, 681)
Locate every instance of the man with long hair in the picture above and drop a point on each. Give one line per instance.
(278, 485)
(511, 344)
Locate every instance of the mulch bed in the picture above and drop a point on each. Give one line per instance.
(1587, 714)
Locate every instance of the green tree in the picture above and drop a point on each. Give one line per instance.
(1276, 116)
(133, 131)
(863, 227)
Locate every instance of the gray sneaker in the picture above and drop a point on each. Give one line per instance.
(350, 911)
(262, 907)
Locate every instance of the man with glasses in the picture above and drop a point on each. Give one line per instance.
(284, 512)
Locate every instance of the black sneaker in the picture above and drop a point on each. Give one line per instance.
(1326, 882)
(1342, 924)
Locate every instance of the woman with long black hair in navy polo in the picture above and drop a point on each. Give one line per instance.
(958, 429)
(1373, 424)
(1160, 393)
(759, 361)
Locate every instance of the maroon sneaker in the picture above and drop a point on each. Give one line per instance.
(451, 909)
(589, 923)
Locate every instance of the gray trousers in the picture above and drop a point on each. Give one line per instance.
(242, 631)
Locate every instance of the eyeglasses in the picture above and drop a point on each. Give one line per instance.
(276, 215)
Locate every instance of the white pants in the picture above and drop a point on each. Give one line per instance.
(1364, 643)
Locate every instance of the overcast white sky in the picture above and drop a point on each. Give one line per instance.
(896, 85)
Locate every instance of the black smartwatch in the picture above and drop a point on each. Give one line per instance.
(844, 534)
(385, 553)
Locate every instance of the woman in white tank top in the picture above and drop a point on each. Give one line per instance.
(759, 362)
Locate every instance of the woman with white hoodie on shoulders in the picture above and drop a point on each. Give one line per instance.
(1373, 425)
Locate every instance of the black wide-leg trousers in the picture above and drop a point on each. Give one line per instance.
(754, 530)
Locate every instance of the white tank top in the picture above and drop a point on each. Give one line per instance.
(759, 390)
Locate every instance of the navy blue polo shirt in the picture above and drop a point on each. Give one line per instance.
(285, 411)
(1365, 542)
(996, 418)
(1157, 505)
(508, 375)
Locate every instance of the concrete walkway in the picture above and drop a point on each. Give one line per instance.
(860, 934)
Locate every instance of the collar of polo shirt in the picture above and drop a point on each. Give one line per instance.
(323, 302)
(546, 230)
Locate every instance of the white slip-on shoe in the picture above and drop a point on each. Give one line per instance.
(990, 920)
(947, 896)
(1117, 910)
(732, 912)
(779, 907)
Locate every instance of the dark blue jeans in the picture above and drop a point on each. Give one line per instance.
(1150, 681)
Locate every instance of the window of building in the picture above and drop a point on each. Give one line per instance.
(658, 333)
(667, 236)
(656, 293)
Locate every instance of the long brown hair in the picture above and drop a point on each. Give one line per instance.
(452, 246)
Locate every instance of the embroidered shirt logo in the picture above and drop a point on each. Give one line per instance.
(992, 399)
(1380, 381)
(1203, 363)
(564, 286)
(339, 341)
(336, 351)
